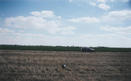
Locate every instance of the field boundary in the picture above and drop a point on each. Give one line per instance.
(61, 48)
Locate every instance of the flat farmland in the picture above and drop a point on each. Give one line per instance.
(24, 65)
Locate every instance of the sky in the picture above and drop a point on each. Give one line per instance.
(66, 22)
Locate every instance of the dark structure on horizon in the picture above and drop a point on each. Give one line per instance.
(87, 49)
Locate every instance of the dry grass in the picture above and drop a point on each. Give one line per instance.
(46, 66)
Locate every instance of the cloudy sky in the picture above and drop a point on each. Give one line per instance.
(66, 22)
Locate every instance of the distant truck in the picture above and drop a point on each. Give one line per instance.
(87, 49)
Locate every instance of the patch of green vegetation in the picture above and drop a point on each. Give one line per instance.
(108, 49)
(42, 48)
(61, 48)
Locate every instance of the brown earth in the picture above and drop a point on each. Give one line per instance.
(47, 66)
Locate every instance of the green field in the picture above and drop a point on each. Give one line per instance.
(61, 48)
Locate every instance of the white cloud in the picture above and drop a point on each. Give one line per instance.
(77, 40)
(104, 6)
(102, 1)
(84, 20)
(119, 16)
(121, 1)
(5, 30)
(112, 0)
(122, 16)
(67, 30)
(39, 21)
(36, 13)
(125, 0)
(115, 36)
(120, 30)
(70, 1)
(93, 3)
(45, 13)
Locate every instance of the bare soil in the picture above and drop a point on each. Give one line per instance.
(47, 66)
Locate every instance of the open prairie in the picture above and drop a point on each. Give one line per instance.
(47, 66)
